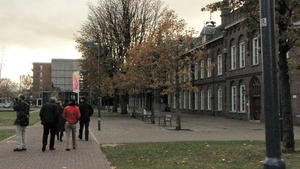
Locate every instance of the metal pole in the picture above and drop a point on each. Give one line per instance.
(273, 159)
(99, 97)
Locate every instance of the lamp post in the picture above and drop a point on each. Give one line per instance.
(99, 97)
(273, 159)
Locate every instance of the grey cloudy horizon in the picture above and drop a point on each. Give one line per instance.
(39, 30)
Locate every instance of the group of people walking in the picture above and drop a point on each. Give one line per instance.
(55, 119)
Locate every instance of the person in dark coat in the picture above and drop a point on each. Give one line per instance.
(21, 106)
(60, 128)
(86, 111)
(49, 114)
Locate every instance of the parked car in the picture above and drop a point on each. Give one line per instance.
(7, 105)
(2, 105)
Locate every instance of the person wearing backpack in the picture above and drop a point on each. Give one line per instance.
(21, 106)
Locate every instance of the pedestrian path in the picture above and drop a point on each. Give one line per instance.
(87, 155)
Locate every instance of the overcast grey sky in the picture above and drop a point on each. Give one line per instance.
(39, 30)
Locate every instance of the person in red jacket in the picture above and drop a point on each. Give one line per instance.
(71, 114)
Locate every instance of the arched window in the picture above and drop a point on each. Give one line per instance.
(208, 98)
(202, 99)
(220, 97)
(233, 97)
(242, 52)
(242, 97)
(233, 54)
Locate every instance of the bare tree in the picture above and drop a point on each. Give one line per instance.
(119, 25)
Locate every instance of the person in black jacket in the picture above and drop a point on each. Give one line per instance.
(49, 115)
(21, 106)
(86, 111)
(60, 128)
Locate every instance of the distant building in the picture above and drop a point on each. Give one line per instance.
(53, 77)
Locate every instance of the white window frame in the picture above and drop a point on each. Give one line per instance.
(202, 69)
(255, 54)
(196, 71)
(196, 101)
(202, 99)
(209, 67)
(220, 65)
(219, 98)
(233, 57)
(209, 99)
(233, 98)
(242, 98)
(242, 54)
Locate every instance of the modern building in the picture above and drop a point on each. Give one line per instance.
(54, 78)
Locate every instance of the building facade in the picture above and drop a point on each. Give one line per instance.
(229, 77)
(54, 78)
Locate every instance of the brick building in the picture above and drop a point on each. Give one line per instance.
(233, 88)
(53, 77)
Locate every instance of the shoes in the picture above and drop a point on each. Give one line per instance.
(80, 137)
(43, 148)
(52, 149)
(18, 149)
(67, 149)
(60, 140)
(24, 149)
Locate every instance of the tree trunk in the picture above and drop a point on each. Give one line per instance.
(115, 101)
(177, 99)
(123, 103)
(152, 107)
(288, 141)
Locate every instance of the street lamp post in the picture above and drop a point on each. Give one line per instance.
(273, 159)
(99, 97)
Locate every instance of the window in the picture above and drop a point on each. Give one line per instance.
(208, 99)
(202, 69)
(196, 100)
(233, 98)
(196, 72)
(219, 98)
(242, 99)
(242, 54)
(209, 67)
(255, 60)
(41, 67)
(202, 99)
(233, 57)
(219, 64)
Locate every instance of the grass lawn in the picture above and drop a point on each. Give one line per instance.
(4, 134)
(198, 154)
(7, 118)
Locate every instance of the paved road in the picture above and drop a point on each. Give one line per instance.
(116, 130)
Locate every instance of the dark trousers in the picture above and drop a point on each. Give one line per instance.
(52, 129)
(84, 124)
